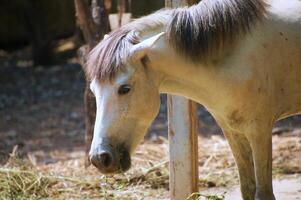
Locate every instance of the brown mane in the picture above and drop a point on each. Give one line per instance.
(205, 29)
(196, 33)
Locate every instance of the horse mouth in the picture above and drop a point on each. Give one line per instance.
(125, 161)
(116, 160)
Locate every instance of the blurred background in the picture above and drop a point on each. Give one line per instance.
(42, 110)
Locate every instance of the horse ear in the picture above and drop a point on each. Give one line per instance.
(140, 50)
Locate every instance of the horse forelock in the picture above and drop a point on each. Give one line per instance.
(204, 30)
(109, 55)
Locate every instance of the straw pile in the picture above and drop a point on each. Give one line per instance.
(65, 177)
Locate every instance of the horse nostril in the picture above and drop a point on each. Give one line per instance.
(106, 159)
(103, 160)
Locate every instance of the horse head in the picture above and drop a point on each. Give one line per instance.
(127, 102)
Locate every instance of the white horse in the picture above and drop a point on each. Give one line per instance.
(241, 59)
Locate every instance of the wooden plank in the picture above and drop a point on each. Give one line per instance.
(183, 139)
(183, 147)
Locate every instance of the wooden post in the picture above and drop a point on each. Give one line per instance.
(183, 139)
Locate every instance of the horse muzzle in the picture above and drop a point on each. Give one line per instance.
(109, 159)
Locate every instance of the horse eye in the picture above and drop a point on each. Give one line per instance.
(124, 89)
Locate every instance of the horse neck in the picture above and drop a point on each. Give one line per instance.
(199, 82)
(173, 74)
(151, 24)
(176, 75)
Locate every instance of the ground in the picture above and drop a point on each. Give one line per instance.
(42, 144)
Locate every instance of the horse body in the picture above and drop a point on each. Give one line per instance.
(247, 85)
(262, 70)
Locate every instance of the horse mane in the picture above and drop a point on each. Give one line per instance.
(108, 56)
(205, 29)
(197, 33)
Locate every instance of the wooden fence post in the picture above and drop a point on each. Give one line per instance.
(183, 139)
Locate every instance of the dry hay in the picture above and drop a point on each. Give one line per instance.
(199, 196)
(65, 178)
(20, 180)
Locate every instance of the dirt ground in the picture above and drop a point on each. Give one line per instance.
(41, 113)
